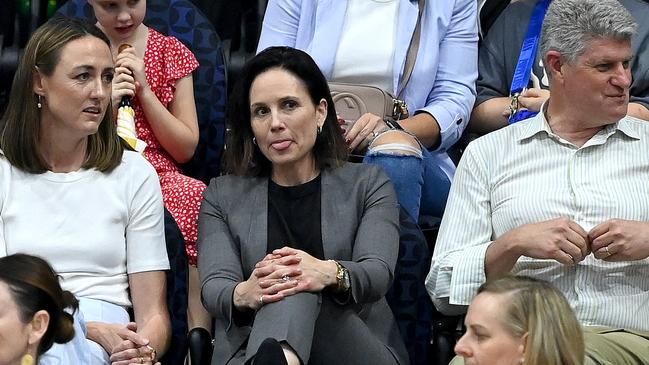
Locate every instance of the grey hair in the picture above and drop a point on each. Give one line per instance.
(570, 25)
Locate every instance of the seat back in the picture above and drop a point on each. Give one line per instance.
(407, 297)
(181, 19)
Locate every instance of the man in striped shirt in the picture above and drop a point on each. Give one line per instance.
(563, 196)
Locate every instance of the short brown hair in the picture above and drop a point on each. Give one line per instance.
(19, 140)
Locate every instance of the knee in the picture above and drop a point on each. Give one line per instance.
(396, 142)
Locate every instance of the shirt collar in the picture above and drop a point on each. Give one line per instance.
(539, 124)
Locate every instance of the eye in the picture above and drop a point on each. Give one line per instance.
(133, 3)
(603, 67)
(290, 104)
(108, 77)
(626, 64)
(84, 76)
(259, 111)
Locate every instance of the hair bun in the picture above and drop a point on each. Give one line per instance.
(64, 331)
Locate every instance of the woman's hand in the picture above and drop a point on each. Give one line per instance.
(315, 274)
(359, 136)
(266, 280)
(132, 349)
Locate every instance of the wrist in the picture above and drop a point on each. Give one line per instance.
(239, 296)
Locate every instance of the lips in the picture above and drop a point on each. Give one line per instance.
(123, 30)
(92, 110)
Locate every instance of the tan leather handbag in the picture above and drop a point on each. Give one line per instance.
(354, 100)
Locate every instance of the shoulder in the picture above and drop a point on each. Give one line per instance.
(135, 166)
(232, 187)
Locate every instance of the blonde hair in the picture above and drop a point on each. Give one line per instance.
(538, 309)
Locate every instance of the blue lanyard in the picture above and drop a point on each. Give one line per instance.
(526, 59)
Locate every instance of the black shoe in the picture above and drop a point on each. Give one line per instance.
(269, 353)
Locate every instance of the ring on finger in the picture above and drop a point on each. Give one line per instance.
(261, 300)
(608, 253)
(140, 360)
(285, 278)
(571, 258)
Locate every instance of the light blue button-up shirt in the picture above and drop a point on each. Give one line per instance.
(443, 80)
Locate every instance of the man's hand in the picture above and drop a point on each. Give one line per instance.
(559, 239)
(620, 240)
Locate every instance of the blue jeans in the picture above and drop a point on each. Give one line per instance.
(421, 185)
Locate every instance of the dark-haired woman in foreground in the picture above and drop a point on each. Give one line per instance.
(297, 247)
(32, 309)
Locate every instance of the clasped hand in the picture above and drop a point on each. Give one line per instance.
(565, 241)
(282, 273)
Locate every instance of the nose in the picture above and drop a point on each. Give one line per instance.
(462, 348)
(622, 77)
(123, 16)
(276, 122)
(100, 89)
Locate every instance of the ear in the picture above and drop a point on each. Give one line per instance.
(522, 347)
(321, 112)
(38, 82)
(554, 63)
(39, 324)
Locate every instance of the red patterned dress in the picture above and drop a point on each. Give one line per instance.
(167, 60)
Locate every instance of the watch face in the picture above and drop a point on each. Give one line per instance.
(346, 281)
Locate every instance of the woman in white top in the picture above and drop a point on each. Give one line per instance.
(71, 194)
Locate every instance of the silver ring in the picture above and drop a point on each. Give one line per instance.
(261, 300)
(608, 253)
(285, 278)
(571, 258)
(375, 134)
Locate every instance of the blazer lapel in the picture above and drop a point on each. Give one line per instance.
(329, 21)
(253, 249)
(408, 12)
(337, 217)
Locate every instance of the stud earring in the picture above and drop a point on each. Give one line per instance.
(254, 141)
(38, 103)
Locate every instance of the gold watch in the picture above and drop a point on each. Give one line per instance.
(342, 277)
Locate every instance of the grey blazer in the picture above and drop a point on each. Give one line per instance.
(360, 228)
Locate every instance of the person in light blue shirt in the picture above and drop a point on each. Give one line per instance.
(366, 42)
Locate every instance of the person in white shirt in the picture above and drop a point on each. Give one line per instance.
(71, 194)
(562, 196)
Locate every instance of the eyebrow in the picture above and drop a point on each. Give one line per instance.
(90, 68)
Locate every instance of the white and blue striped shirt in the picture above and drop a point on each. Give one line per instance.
(526, 174)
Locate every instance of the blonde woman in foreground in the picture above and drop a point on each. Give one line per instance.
(520, 320)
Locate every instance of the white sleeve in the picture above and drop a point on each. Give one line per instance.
(146, 249)
(457, 267)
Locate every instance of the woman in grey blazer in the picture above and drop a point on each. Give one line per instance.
(297, 248)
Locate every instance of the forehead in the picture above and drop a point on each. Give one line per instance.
(487, 309)
(86, 51)
(606, 50)
(276, 82)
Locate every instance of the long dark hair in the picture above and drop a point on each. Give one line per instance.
(241, 155)
(35, 286)
(19, 139)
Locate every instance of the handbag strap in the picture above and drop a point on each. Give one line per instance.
(413, 48)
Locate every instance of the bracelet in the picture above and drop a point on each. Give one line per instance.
(393, 124)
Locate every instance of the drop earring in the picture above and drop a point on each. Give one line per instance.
(38, 103)
(254, 141)
(27, 359)
(319, 129)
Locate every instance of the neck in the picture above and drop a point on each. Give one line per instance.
(61, 151)
(567, 124)
(294, 175)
